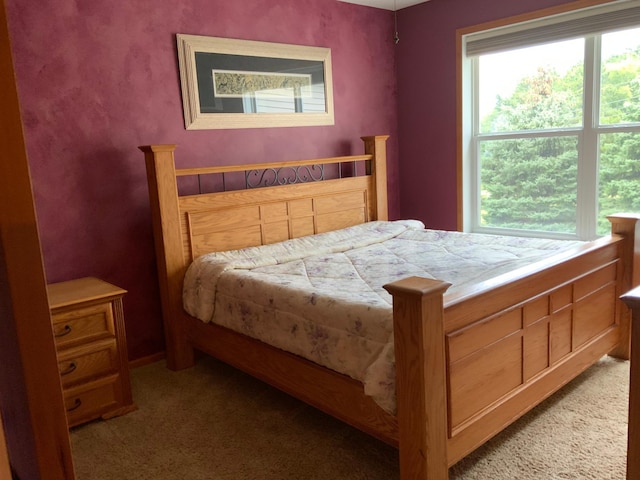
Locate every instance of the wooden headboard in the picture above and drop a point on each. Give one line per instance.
(229, 220)
(186, 226)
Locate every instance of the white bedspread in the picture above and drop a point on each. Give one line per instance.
(321, 297)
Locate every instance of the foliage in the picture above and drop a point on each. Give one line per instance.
(535, 188)
(531, 183)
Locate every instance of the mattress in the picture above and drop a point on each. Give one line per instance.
(321, 297)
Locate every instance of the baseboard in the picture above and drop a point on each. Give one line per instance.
(140, 362)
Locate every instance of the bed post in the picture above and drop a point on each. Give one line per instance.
(418, 319)
(377, 146)
(165, 215)
(627, 225)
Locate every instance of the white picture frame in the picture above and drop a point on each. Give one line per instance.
(230, 83)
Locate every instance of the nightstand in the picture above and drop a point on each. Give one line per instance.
(88, 325)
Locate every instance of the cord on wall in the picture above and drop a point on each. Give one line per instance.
(396, 37)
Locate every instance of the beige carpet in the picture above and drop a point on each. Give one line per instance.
(212, 422)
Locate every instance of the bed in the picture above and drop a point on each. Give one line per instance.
(467, 363)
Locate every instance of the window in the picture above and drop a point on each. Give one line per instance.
(551, 124)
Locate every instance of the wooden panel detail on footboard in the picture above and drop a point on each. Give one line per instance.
(515, 343)
(500, 353)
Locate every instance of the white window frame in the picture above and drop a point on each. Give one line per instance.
(588, 134)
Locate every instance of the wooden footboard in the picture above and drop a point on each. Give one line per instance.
(489, 354)
(467, 364)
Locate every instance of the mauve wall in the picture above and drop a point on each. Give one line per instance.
(98, 78)
(426, 66)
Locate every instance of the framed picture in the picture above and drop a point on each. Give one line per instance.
(228, 83)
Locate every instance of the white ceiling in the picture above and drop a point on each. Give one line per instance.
(386, 4)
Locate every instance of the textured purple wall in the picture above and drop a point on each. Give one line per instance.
(426, 66)
(96, 79)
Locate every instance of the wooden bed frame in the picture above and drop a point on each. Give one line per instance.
(467, 365)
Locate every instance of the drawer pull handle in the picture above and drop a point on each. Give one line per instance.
(65, 331)
(76, 405)
(72, 366)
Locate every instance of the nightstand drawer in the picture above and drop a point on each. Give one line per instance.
(89, 401)
(88, 362)
(83, 325)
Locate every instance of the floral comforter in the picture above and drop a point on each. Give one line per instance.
(321, 297)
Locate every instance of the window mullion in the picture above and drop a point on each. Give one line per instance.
(474, 186)
(587, 195)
